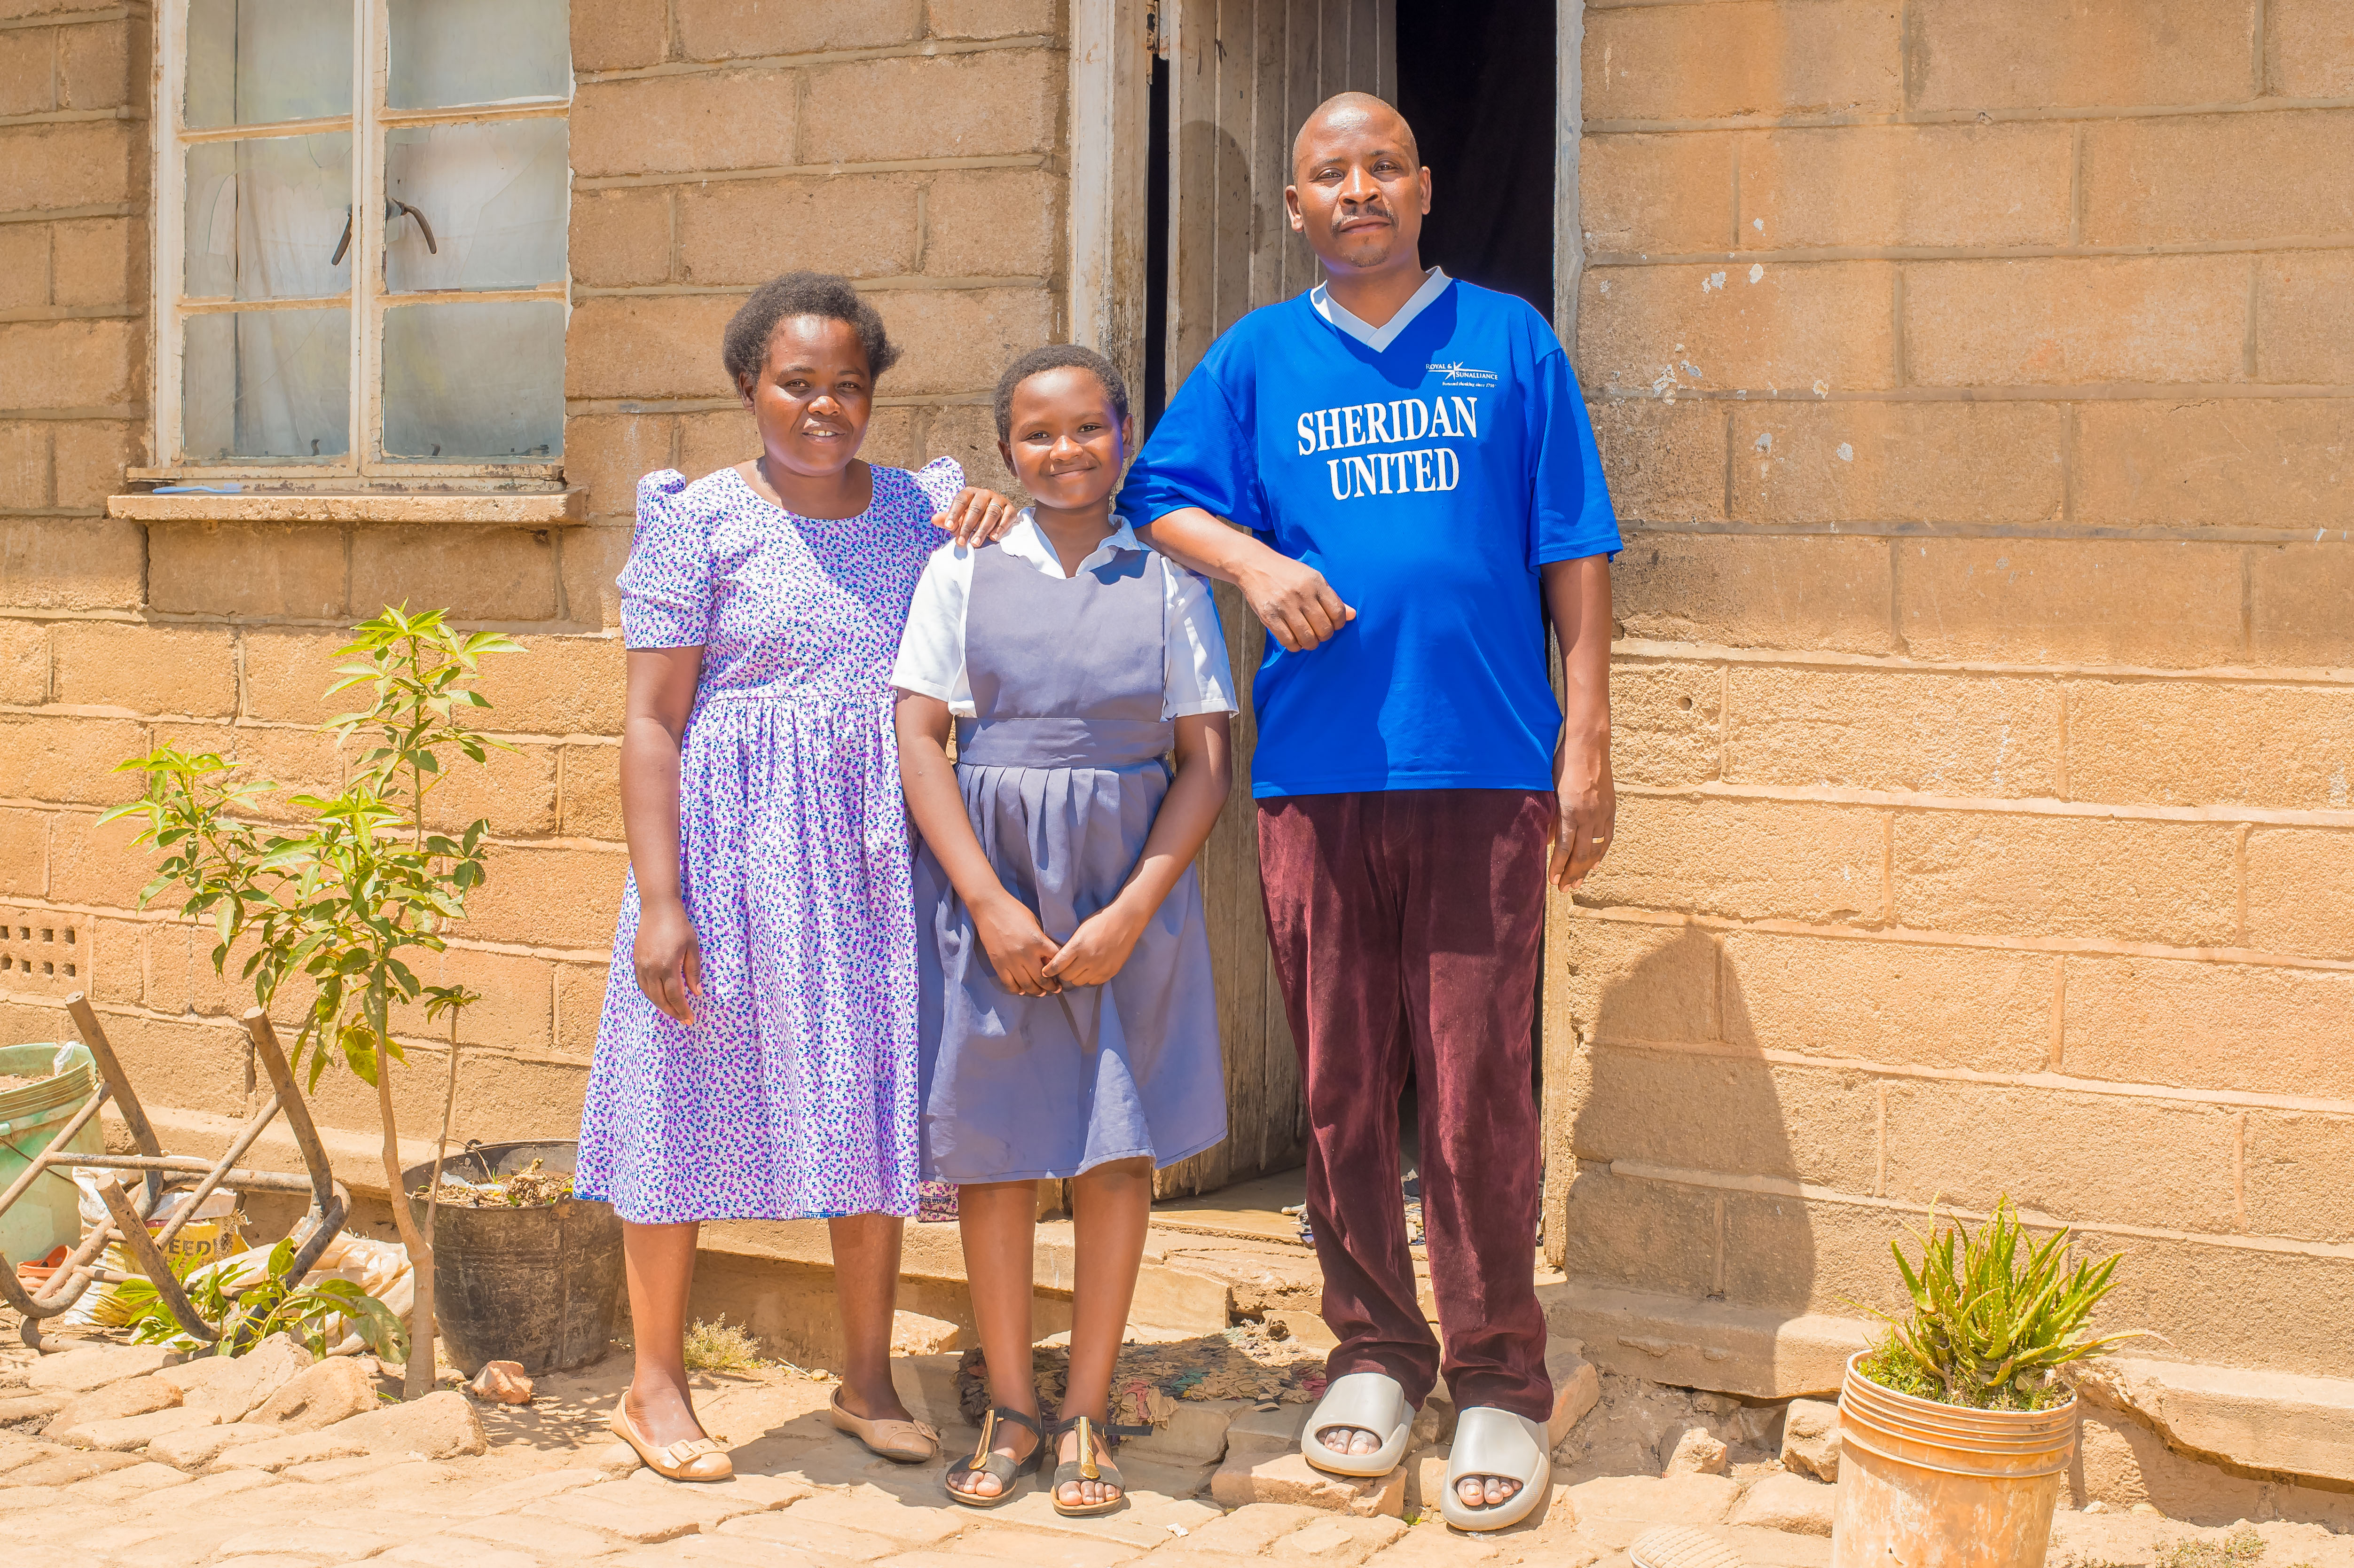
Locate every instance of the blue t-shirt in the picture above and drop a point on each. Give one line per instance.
(1428, 480)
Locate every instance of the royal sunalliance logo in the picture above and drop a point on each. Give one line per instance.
(1458, 374)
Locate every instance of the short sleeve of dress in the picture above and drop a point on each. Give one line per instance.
(940, 479)
(666, 587)
(1195, 676)
(931, 650)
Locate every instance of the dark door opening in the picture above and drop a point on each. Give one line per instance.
(1475, 80)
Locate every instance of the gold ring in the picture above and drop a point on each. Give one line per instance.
(1602, 841)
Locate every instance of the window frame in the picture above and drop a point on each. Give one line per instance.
(364, 466)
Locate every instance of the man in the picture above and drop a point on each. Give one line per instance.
(1416, 492)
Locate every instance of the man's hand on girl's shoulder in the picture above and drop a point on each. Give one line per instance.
(977, 516)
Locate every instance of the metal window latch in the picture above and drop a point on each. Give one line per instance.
(393, 207)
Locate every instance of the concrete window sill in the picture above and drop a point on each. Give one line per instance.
(494, 511)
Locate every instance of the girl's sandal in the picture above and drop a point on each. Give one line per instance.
(689, 1460)
(985, 1463)
(1098, 1439)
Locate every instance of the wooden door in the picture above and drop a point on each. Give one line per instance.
(1243, 74)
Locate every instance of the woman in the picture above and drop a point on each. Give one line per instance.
(757, 1055)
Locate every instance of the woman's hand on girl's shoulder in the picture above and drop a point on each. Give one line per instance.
(1099, 949)
(977, 516)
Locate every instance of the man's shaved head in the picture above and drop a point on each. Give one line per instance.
(1353, 110)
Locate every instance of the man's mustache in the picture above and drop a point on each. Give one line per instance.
(1377, 207)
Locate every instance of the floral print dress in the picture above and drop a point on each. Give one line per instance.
(793, 1094)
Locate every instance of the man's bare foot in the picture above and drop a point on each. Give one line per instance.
(661, 1411)
(1486, 1491)
(1013, 1442)
(1353, 1440)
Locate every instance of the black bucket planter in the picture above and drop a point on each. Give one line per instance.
(541, 1286)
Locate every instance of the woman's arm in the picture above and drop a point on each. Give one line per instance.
(1204, 774)
(1010, 934)
(653, 726)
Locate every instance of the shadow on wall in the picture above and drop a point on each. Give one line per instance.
(1686, 1178)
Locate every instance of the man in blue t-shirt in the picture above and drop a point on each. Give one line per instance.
(1413, 492)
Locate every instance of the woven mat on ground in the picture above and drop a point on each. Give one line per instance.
(1149, 1379)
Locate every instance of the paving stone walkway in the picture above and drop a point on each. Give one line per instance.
(549, 1486)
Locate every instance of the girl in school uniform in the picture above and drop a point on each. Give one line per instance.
(1067, 1026)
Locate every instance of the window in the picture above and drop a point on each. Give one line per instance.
(361, 209)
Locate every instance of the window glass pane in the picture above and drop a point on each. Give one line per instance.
(474, 382)
(478, 51)
(267, 384)
(495, 197)
(254, 61)
(265, 216)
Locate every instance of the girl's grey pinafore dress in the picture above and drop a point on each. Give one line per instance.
(1062, 775)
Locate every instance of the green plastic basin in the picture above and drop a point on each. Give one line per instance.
(50, 1214)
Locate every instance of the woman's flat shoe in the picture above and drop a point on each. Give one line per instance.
(985, 1463)
(901, 1442)
(1092, 1463)
(689, 1460)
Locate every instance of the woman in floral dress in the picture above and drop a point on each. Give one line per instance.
(757, 1055)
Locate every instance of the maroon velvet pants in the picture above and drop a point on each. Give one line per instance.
(1405, 926)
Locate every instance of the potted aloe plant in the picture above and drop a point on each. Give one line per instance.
(345, 899)
(1955, 1430)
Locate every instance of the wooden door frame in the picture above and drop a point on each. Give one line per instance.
(1112, 47)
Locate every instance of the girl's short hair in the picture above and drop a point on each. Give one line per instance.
(826, 295)
(1058, 357)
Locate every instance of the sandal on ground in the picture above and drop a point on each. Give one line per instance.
(1492, 1442)
(901, 1442)
(1098, 1439)
(986, 1463)
(689, 1460)
(1367, 1401)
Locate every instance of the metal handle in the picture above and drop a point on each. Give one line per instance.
(393, 207)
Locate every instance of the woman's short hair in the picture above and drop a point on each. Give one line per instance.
(1058, 357)
(826, 295)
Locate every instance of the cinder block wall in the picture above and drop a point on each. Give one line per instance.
(716, 142)
(1977, 379)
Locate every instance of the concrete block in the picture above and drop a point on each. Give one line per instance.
(52, 563)
(1697, 1342)
(1962, 186)
(994, 103)
(1657, 194)
(2201, 1025)
(477, 574)
(747, 231)
(2300, 891)
(2176, 179)
(2257, 1420)
(2287, 1189)
(2001, 53)
(24, 853)
(2072, 876)
(2217, 463)
(1289, 1478)
(611, 35)
(549, 897)
(1785, 592)
(2062, 321)
(2303, 317)
(1666, 461)
(558, 686)
(1897, 1002)
(592, 792)
(28, 71)
(70, 363)
(2312, 52)
(1683, 1110)
(1811, 1438)
(23, 662)
(515, 790)
(261, 569)
(98, 261)
(727, 119)
(25, 461)
(2297, 598)
(991, 223)
(148, 669)
(958, 340)
(1689, 1499)
(620, 236)
(1196, 1433)
(590, 569)
(1793, 1504)
(1632, 1233)
(1970, 736)
(2191, 744)
(1789, 56)
(84, 162)
(1717, 327)
(663, 346)
(68, 759)
(989, 18)
(1898, 463)
(1667, 723)
(1748, 858)
(92, 455)
(725, 29)
(1179, 1300)
(607, 454)
(25, 276)
(94, 66)
(2069, 601)
(93, 864)
(1625, 982)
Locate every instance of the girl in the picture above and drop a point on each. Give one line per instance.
(757, 1055)
(1069, 1028)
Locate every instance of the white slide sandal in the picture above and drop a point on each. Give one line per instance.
(1492, 1442)
(1371, 1401)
